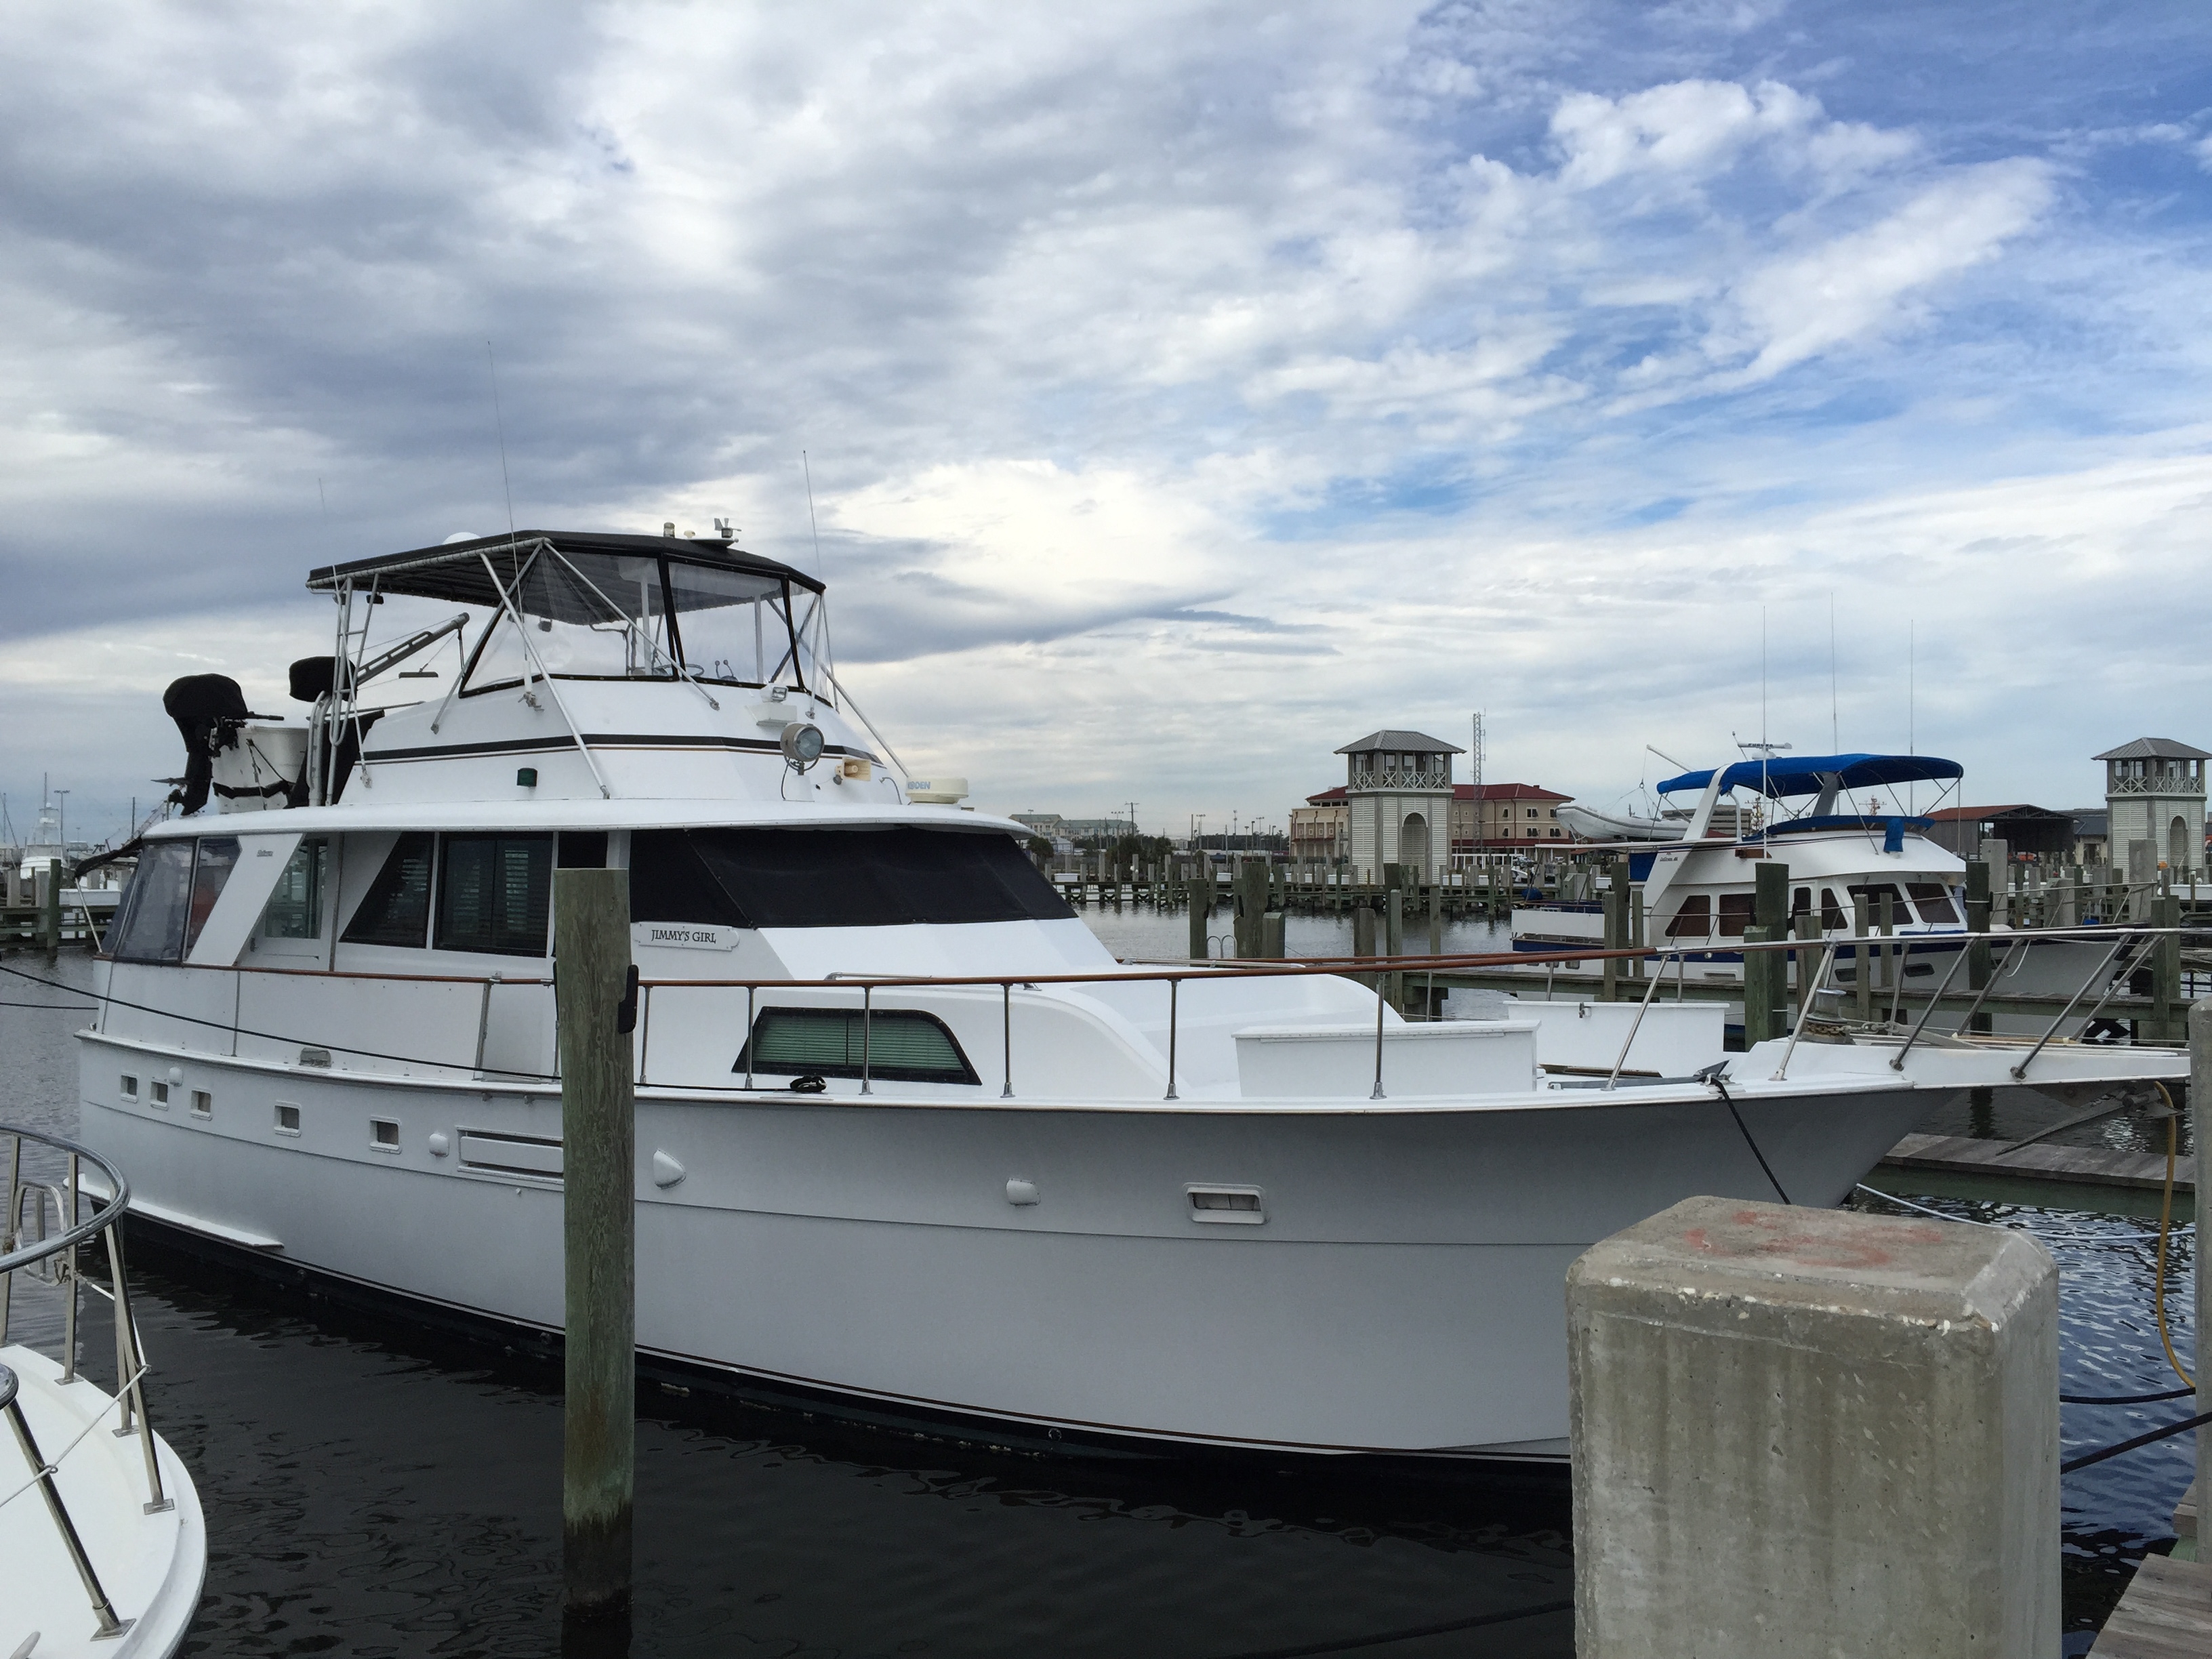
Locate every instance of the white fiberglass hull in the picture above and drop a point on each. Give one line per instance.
(1402, 1293)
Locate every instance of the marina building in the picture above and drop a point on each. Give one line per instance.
(2154, 799)
(1399, 805)
(2023, 828)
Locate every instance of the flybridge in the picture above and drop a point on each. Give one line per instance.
(1814, 774)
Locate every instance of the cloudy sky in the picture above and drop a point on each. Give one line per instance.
(1187, 389)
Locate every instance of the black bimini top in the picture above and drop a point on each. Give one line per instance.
(456, 570)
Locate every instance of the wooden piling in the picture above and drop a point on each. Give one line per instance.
(595, 1005)
(1766, 972)
(50, 909)
(2199, 1131)
(1977, 922)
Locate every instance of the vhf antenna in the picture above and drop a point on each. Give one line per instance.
(499, 425)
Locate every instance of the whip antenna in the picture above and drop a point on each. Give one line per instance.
(499, 425)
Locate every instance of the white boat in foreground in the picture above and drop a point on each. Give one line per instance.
(102, 1546)
(911, 1145)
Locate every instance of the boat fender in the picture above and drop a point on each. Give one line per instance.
(812, 1083)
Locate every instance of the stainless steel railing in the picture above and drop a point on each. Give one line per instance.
(50, 1258)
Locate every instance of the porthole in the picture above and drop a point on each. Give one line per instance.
(383, 1134)
(157, 1094)
(288, 1118)
(130, 1088)
(203, 1103)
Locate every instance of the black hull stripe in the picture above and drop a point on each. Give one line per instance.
(596, 740)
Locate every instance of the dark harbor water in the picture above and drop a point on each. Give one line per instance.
(374, 1487)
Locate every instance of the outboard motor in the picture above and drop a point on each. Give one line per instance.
(207, 709)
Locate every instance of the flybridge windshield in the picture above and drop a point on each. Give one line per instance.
(586, 615)
(834, 878)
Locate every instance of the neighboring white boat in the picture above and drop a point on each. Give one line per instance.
(911, 1145)
(1697, 882)
(103, 1545)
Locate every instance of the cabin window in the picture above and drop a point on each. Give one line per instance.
(218, 857)
(1801, 903)
(1934, 900)
(1874, 893)
(1735, 915)
(154, 908)
(494, 893)
(295, 909)
(1693, 921)
(1831, 911)
(397, 909)
(903, 1046)
(834, 878)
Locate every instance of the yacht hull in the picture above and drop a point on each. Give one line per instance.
(1401, 1294)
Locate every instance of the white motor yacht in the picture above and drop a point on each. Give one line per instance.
(911, 1145)
(1697, 881)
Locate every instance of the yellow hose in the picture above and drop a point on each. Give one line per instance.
(2165, 1221)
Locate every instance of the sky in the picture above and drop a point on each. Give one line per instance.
(1185, 390)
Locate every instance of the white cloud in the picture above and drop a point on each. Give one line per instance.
(1690, 128)
(1855, 285)
(1122, 342)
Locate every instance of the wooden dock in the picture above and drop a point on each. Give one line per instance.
(2166, 1612)
(2087, 1166)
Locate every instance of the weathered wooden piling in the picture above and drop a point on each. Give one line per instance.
(1765, 973)
(1977, 922)
(1199, 894)
(2199, 1131)
(595, 996)
(50, 910)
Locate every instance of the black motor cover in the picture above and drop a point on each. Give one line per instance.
(207, 709)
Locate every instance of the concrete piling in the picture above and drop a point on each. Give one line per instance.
(595, 997)
(1810, 1431)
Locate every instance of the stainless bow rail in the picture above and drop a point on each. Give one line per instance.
(1376, 973)
(51, 1258)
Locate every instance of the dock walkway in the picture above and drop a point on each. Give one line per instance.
(2088, 1166)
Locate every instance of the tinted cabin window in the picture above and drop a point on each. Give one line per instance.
(1831, 911)
(1693, 921)
(152, 925)
(397, 911)
(295, 909)
(1934, 900)
(218, 857)
(834, 878)
(1874, 893)
(1801, 903)
(1735, 914)
(903, 1046)
(493, 894)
